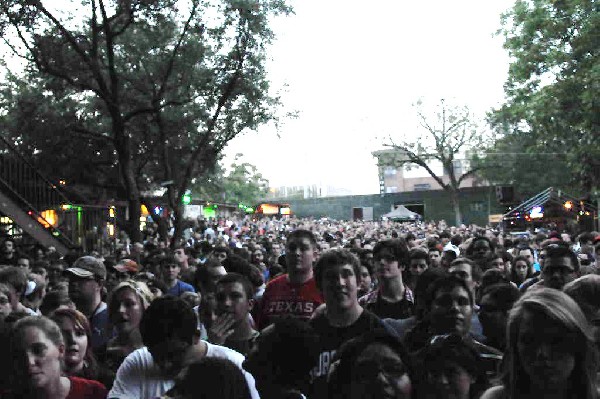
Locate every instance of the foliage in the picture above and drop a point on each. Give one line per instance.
(160, 87)
(242, 183)
(449, 136)
(553, 84)
(514, 161)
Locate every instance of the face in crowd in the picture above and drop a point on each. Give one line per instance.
(435, 257)
(387, 266)
(451, 311)
(558, 271)
(379, 372)
(340, 287)
(481, 249)
(417, 267)
(232, 299)
(300, 254)
(366, 282)
(126, 310)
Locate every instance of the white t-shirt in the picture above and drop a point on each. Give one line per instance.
(139, 377)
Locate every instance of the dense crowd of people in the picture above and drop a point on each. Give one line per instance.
(305, 308)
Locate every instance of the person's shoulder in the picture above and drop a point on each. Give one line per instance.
(497, 392)
(398, 327)
(487, 351)
(185, 286)
(277, 283)
(213, 350)
(281, 279)
(141, 357)
(319, 320)
(371, 318)
(88, 389)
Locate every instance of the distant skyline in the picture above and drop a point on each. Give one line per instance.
(352, 70)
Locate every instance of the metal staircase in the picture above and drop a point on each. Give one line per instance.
(27, 197)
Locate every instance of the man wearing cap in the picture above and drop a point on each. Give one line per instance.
(127, 269)
(86, 279)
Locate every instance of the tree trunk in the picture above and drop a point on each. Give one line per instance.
(177, 222)
(456, 207)
(134, 203)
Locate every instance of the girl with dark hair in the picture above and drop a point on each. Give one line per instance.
(521, 271)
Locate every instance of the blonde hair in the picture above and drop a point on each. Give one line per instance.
(563, 310)
(139, 288)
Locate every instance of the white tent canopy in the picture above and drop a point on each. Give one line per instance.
(401, 212)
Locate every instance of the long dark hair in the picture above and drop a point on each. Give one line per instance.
(513, 272)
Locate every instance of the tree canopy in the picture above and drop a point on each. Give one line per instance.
(241, 182)
(149, 91)
(553, 84)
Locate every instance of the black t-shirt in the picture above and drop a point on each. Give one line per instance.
(402, 309)
(331, 338)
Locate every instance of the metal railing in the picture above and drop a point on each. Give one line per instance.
(25, 185)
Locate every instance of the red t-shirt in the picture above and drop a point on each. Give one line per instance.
(86, 389)
(282, 298)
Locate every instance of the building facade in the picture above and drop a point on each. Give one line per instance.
(400, 179)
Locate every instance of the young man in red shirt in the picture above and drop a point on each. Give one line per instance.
(294, 293)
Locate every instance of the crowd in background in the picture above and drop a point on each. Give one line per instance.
(305, 308)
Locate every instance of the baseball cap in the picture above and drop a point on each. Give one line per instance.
(127, 266)
(88, 267)
(453, 248)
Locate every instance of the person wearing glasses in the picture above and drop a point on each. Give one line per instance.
(86, 279)
(393, 298)
(374, 365)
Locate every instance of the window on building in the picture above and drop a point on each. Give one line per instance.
(390, 171)
(422, 187)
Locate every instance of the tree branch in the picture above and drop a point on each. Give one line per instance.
(171, 62)
(83, 132)
(85, 58)
(114, 80)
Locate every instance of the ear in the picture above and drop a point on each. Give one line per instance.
(61, 351)
(251, 303)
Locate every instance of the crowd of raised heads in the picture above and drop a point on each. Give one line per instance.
(305, 308)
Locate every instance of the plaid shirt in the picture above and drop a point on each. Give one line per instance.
(371, 301)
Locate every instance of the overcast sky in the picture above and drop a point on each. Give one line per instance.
(353, 68)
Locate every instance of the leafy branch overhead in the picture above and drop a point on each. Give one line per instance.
(165, 84)
(553, 84)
